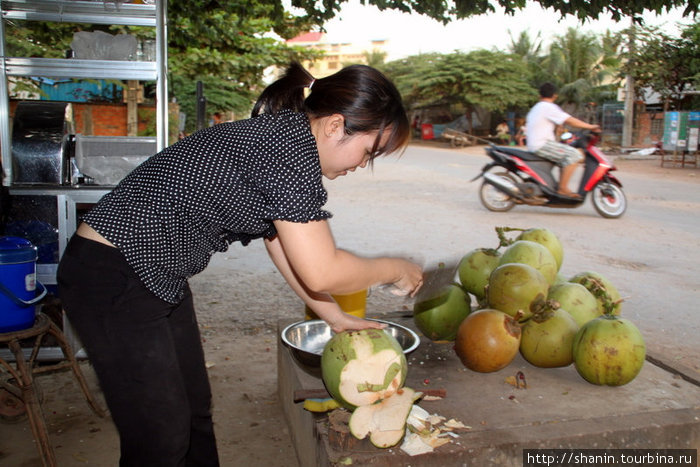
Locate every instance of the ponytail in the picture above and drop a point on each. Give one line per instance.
(365, 98)
(285, 93)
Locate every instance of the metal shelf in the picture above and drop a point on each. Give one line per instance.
(80, 12)
(76, 68)
(89, 12)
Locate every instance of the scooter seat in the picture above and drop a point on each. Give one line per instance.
(519, 153)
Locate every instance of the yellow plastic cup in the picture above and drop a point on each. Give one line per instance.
(353, 304)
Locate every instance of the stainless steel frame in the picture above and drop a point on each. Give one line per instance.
(129, 14)
(90, 13)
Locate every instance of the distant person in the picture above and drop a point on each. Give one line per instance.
(503, 132)
(216, 119)
(415, 124)
(520, 135)
(541, 123)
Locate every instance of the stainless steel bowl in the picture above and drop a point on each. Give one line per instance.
(307, 339)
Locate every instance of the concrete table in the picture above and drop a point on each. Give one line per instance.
(660, 409)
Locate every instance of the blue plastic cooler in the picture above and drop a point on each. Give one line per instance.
(18, 284)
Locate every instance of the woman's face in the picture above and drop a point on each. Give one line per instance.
(338, 152)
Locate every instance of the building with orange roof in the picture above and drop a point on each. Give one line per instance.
(337, 54)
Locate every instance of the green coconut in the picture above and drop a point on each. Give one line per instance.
(546, 238)
(533, 254)
(576, 300)
(547, 338)
(475, 268)
(605, 293)
(439, 318)
(560, 279)
(609, 350)
(363, 367)
(513, 287)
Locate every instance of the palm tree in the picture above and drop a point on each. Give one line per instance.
(582, 64)
(525, 47)
(375, 58)
(530, 50)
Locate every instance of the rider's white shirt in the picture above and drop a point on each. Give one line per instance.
(541, 122)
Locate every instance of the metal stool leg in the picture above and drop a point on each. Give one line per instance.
(33, 406)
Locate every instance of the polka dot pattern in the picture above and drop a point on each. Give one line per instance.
(222, 184)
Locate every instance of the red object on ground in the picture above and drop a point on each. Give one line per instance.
(427, 131)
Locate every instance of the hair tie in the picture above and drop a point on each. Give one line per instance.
(311, 84)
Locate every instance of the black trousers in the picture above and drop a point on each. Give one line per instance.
(147, 355)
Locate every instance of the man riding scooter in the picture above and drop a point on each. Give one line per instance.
(540, 124)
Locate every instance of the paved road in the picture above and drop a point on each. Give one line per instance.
(422, 205)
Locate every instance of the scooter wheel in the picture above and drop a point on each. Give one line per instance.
(495, 200)
(609, 200)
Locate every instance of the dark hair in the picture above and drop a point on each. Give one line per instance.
(548, 90)
(361, 94)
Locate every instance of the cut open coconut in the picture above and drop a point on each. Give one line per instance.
(363, 367)
(384, 421)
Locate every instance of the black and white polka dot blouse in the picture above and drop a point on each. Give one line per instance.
(222, 184)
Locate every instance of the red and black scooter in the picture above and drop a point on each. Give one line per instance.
(528, 179)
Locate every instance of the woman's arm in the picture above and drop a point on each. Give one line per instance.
(321, 267)
(321, 303)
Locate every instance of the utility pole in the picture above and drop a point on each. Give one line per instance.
(628, 123)
(201, 106)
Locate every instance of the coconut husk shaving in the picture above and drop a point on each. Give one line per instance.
(426, 432)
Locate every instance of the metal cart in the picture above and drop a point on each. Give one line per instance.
(458, 138)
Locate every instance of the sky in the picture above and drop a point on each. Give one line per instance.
(411, 34)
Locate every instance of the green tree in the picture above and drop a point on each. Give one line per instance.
(610, 61)
(406, 74)
(689, 51)
(664, 64)
(582, 65)
(524, 46)
(489, 80)
(445, 11)
(531, 52)
(227, 46)
(375, 58)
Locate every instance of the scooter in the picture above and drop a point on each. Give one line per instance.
(528, 179)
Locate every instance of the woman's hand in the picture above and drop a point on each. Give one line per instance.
(411, 279)
(346, 322)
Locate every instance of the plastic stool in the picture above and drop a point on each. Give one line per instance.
(23, 387)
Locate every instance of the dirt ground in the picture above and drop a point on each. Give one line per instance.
(240, 300)
(241, 349)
